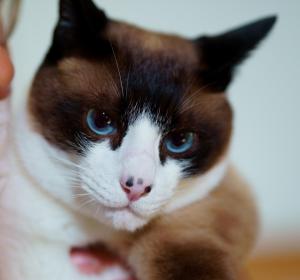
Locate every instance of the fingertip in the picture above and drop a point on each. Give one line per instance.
(6, 72)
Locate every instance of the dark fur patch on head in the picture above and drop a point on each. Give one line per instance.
(210, 116)
(222, 54)
(148, 75)
(126, 84)
(97, 63)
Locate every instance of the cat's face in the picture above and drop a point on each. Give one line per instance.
(139, 119)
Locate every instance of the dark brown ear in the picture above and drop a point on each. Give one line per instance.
(221, 54)
(79, 27)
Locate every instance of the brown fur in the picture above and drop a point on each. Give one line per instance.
(90, 83)
(129, 38)
(207, 240)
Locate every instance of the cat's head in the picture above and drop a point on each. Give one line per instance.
(130, 123)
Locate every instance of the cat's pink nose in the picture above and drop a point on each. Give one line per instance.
(135, 188)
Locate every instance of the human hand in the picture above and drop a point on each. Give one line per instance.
(6, 72)
(98, 260)
(6, 67)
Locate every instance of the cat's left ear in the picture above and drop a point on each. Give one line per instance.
(79, 25)
(220, 55)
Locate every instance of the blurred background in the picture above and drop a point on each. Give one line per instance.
(265, 93)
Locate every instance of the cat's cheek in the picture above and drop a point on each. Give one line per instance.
(100, 173)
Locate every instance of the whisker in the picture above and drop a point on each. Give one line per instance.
(80, 195)
(127, 82)
(189, 101)
(113, 81)
(66, 162)
(92, 199)
(118, 68)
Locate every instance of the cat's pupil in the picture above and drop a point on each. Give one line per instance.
(179, 139)
(102, 120)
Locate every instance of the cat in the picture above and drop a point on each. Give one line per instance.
(123, 141)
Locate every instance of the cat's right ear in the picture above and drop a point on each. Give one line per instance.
(79, 24)
(221, 54)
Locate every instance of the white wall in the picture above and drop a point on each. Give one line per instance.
(265, 95)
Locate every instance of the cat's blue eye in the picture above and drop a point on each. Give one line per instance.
(179, 142)
(100, 123)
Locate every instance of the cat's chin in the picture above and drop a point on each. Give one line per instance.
(124, 219)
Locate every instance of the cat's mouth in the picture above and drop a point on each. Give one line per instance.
(125, 218)
(128, 209)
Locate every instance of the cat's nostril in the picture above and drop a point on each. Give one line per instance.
(136, 191)
(148, 189)
(130, 182)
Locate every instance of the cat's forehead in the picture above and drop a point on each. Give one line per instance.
(135, 51)
(152, 69)
(135, 41)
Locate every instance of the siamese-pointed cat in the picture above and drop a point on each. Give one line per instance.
(123, 142)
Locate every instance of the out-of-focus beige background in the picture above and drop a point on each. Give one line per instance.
(265, 94)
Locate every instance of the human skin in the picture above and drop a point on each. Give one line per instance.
(6, 68)
(6, 72)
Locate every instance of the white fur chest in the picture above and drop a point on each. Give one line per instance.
(37, 231)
